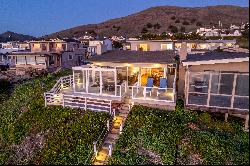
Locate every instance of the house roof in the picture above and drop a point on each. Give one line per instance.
(127, 56)
(215, 57)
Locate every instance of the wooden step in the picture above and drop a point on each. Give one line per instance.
(124, 116)
(115, 136)
(98, 163)
(115, 131)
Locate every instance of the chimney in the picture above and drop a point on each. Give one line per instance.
(183, 51)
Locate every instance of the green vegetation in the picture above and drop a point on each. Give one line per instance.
(117, 44)
(243, 41)
(153, 136)
(173, 29)
(177, 21)
(4, 89)
(192, 20)
(33, 134)
(198, 24)
(149, 25)
(157, 26)
(185, 23)
(173, 18)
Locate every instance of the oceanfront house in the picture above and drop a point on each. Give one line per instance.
(148, 78)
(48, 55)
(217, 81)
(49, 61)
(149, 45)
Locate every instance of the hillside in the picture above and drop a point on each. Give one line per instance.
(12, 36)
(160, 19)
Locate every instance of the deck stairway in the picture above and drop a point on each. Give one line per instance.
(113, 135)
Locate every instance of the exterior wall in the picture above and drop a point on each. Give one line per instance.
(69, 63)
(48, 46)
(35, 61)
(108, 44)
(151, 45)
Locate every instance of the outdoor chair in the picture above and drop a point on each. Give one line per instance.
(163, 86)
(149, 86)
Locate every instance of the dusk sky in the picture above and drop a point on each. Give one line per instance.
(41, 17)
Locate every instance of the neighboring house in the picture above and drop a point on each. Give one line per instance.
(204, 45)
(126, 46)
(151, 45)
(49, 55)
(211, 33)
(4, 61)
(217, 81)
(8, 47)
(97, 47)
(23, 46)
(117, 76)
(35, 60)
(48, 46)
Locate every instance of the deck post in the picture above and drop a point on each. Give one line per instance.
(115, 77)
(45, 99)
(108, 125)
(209, 89)
(110, 149)
(226, 116)
(121, 126)
(74, 85)
(187, 85)
(94, 143)
(246, 122)
(85, 104)
(110, 108)
(101, 84)
(233, 91)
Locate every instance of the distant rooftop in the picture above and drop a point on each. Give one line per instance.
(123, 56)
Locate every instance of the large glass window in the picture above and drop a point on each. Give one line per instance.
(242, 85)
(30, 60)
(221, 91)
(80, 80)
(20, 60)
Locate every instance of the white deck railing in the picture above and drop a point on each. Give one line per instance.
(164, 95)
(63, 82)
(54, 97)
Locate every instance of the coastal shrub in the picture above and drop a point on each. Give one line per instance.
(153, 136)
(68, 133)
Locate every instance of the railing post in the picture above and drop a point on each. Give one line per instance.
(85, 104)
(45, 99)
(121, 126)
(129, 107)
(110, 149)
(114, 112)
(108, 125)
(110, 108)
(246, 122)
(94, 143)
